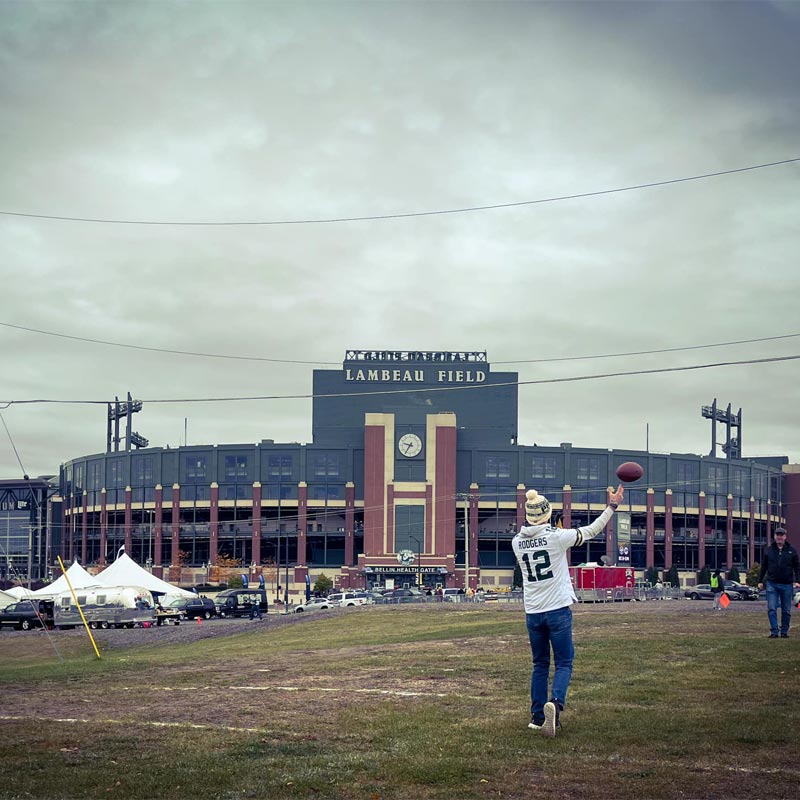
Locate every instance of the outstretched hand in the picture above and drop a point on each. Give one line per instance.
(616, 497)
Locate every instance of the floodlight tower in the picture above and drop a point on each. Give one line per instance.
(115, 413)
(733, 444)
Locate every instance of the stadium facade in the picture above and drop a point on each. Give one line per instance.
(414, 474)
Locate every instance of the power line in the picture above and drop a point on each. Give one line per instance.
(429, 390)
(337, 363)
(376, 217)
(165, 350)
(647, 352)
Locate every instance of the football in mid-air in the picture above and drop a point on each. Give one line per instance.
(629, 471)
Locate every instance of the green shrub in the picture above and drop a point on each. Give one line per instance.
(651, 576)
(733, 574)
(671, 577)
(752, 574)
(704, 576)
(323, 584)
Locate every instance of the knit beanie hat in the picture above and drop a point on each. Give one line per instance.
(537, 508)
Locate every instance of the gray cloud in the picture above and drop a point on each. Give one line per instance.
(253, 111)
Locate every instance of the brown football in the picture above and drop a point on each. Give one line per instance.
(629, 471)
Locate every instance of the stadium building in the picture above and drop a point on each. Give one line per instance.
(414, 475)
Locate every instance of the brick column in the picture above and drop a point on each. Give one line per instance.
(72, 527)
(611, 553)
(390, 514)
(213, 527)
(651, 529)
(751, 534)
(175, 557)
(84, 525)
(103, 527)
(729, 534)
(701, 532)
(349, 522)
(668, 530)
(256, 523)
(567, 507)
(128, 521)
(521, 521)
(159, 522)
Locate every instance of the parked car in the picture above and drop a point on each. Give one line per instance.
(700, 592)
(453, 595)
(27, 614)
(403, 596)
(238, 602)
(740, 591)
(314, 604)
(193, 607)
(346, 599)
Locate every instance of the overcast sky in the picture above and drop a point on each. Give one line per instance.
(253, 112)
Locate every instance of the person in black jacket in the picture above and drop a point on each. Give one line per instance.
(781, 568)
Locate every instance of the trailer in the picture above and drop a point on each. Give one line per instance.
(105, 607)
(593, 582)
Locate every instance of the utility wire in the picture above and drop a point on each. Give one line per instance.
(375, 217)
(165, 350)
(338, 363)
(429, 390)
(647, 352)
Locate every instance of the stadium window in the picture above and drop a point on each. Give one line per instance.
(196, 468)
(95, 475)
(117, 473)
(497, 467)
(280, 466)
(543, 468)
(235, 467)
(687, 474)
(326, 465)
(588, 469)
(143, 470)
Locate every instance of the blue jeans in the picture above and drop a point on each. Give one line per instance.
(545, 630)
(779, 593)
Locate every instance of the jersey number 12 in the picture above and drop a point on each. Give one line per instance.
(538, 561)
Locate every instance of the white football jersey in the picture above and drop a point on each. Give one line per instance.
(541, 551)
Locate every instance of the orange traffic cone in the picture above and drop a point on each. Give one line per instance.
(199, 621)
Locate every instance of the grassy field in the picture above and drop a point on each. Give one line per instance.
(668, 700)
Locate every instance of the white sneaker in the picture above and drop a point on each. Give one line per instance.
(551, 723)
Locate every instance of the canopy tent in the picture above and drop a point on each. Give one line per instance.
(19, 593)
(6, 599)
(78, 577)
(126, 572)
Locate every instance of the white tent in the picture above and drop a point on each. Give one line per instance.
(78, 577)
(126, 572)
(19, 593)
(6, 599)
